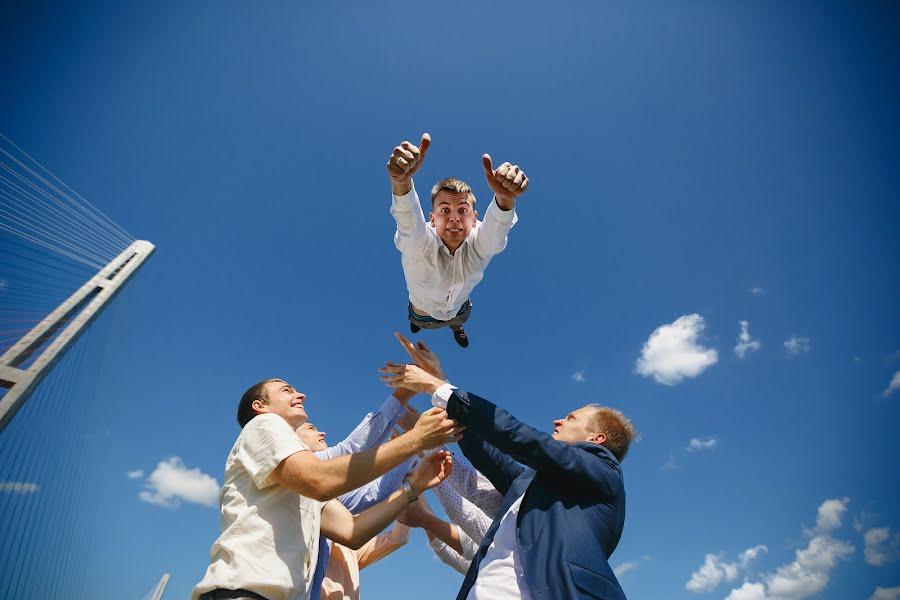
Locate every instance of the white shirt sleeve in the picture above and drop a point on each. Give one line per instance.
(374, 429)
(264, 442)
(474, 487)
(441, 396)
(450, 556)
(490, 236)
(412, 234)
(468, 517)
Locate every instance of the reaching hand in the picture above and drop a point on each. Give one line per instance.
(403, 163)
(507, 181)
(431, 472)
(410, 377)
(408, 418)
(434, 429)
(416, 514)
(422, 356)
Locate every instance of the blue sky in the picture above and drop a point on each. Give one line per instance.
(733, 161)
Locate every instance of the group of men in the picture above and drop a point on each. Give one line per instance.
(538, 516)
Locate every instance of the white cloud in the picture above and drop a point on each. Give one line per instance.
(757, 291)
(795, 346)
(625, 567)
(881, 593)
(811, 569)
(830, 515)
(19, 487)
(880, 548)
(893, 386)
(749, 591)
(750, 554)
(670, 465)
(710, 574)
(172, 482)
(714, 570)
(696, 444)
(579, 377)
(672, 353)
(138, 474)
(745, 342)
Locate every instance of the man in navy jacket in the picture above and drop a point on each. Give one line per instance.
(564, 504)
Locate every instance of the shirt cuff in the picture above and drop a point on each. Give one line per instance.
(502, 216)
(441, 396)
(407, 201)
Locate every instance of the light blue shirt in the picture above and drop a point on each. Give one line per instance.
(373, 430)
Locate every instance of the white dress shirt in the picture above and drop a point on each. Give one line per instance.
(500, 574)
(449, 556)
(256, 512)
(439, 282)
(469, 499)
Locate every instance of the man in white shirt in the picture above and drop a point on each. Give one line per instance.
(277, 495)
(444, 259)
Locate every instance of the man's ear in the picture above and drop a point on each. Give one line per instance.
(431, 218)
(259, 407)
(598, 438)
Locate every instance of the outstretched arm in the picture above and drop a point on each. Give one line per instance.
(418, 514)
(404, 161)
(339, 525)
(326, 479)
(497, 429)
(374, 429)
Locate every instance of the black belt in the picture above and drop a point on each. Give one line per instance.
(221, 594)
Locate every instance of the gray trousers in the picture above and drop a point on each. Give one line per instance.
(429, 323)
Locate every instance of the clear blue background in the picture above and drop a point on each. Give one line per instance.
(679, 154)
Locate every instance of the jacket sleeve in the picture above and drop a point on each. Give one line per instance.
(500, 469)
(568, 464)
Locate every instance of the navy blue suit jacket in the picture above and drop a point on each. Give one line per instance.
(571, 518)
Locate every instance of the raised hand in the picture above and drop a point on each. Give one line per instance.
(434, 429)
(410, 377)
(424, 358)
(506, 181)
(416, 514)
(408, 418)
(403, 163)
(431, 471)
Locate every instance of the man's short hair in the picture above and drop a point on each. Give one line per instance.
(617, 427)
(452, 185)
(255, 392)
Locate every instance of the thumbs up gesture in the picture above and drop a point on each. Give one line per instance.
(403, 163)
(506, 181)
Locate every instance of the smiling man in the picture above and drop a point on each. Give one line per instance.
(563, 509)
(278, 495)
(445, 258)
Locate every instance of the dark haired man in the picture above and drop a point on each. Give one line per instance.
(564, 505)
(277, 495)
(444, 259)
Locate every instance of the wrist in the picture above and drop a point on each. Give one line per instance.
(401, 188)
(403, 395)
(434, 384)
(411, 489)
(505, 203)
